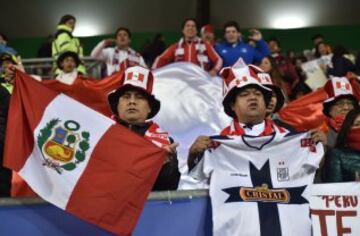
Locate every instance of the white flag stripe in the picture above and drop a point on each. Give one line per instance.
(41, 177)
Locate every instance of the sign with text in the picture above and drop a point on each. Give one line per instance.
(335, 209)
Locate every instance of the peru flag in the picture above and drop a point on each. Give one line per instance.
(78, 159)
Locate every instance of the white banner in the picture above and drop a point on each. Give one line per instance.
(335, 209)
(191, 105)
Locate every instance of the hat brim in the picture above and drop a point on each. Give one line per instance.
(65, 55)
(280, 97)
(230, 97)
(113, 99)
(329, 102)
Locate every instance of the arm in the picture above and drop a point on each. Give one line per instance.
(165, 58)
(197, 149)
(262, 50)
(169, 176)
(214, 58)
(98, 52)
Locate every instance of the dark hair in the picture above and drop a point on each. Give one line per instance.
(66, 18)
(274, 72)
(315, 36)
(231, 24)
(274, 39)
(345, 128)
(123, 29)
(340, 50)
(186, 20)
(4, 36)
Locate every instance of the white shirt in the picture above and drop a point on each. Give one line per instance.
(67, 78)
(257, 184)
(114, 57)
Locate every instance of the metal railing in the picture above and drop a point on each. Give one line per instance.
(153, 196)
(43, 67)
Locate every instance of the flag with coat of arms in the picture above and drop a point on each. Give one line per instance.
(78, 159)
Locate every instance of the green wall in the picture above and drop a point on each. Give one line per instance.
(294, 39)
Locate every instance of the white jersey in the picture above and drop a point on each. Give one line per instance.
(117, 59)
(257, 184)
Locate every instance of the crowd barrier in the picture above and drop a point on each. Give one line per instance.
(166, 213)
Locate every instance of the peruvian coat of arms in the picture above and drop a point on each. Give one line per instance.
(63, 146)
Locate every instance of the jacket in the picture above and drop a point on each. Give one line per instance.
(64, 41)
(230, 53)
(197, 51)
(5, 174)
(341, 165)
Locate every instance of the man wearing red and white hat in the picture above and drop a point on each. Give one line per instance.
(340, 101)
(133, 105)
(245, 101)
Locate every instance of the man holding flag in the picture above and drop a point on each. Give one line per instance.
(80, 160)
(132, 104)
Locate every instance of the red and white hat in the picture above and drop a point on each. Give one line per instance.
(207, 29)
(336, 88)
(135, 78)
(239, 77)
(266, 80)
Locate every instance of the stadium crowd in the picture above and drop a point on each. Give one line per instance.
(277, 79)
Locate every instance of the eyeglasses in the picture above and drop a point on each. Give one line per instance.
(342, 103)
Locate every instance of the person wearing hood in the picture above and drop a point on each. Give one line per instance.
(65, 41)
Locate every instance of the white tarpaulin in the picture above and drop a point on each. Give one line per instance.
(191, 105)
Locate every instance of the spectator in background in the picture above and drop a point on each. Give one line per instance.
(286, 68)
(340, 101)
(64, 41)
(45, 48)
(6, 88)
(120, 57)
(154, 49)
(208, 34)
(340, 62)
(192, 49)
(4, 48)
(133, 104)
(322, 49)
(68, 63)
(342, 163)
(324, 56)
(234, 47)
(269, 65)
(317, 38)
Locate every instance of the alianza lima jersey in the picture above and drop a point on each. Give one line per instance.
(258, 184)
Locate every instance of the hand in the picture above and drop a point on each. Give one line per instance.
(318, 136)
(212, 73)
(109, 42)
(171, 152)
(171, 148)
(255, 35)
(200, 145)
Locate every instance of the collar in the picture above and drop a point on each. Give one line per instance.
(253, 130)
(140, 129)
(64, 27)
(67, 78)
